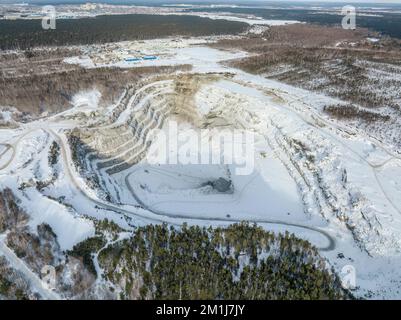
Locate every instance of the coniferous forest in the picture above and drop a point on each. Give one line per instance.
(241, 261)
(25, 34)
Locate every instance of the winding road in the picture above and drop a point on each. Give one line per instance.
(13, 147)
(7, 148)
(151, 214)
(161, 216)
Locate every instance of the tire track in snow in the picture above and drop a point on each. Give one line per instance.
(161, 217)
(312, 122)
(7, 148)
(14, 148)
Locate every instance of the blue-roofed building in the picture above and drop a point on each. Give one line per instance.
(149, 57)
(132, 59)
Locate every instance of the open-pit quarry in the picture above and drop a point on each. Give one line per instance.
(312, 176)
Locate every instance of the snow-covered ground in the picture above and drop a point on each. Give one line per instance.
(249, 19)
(71, 11)
(313, 177)
(167, 52)
(30, 164)
(37, 285)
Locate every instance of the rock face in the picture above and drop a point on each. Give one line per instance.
(222, 185)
